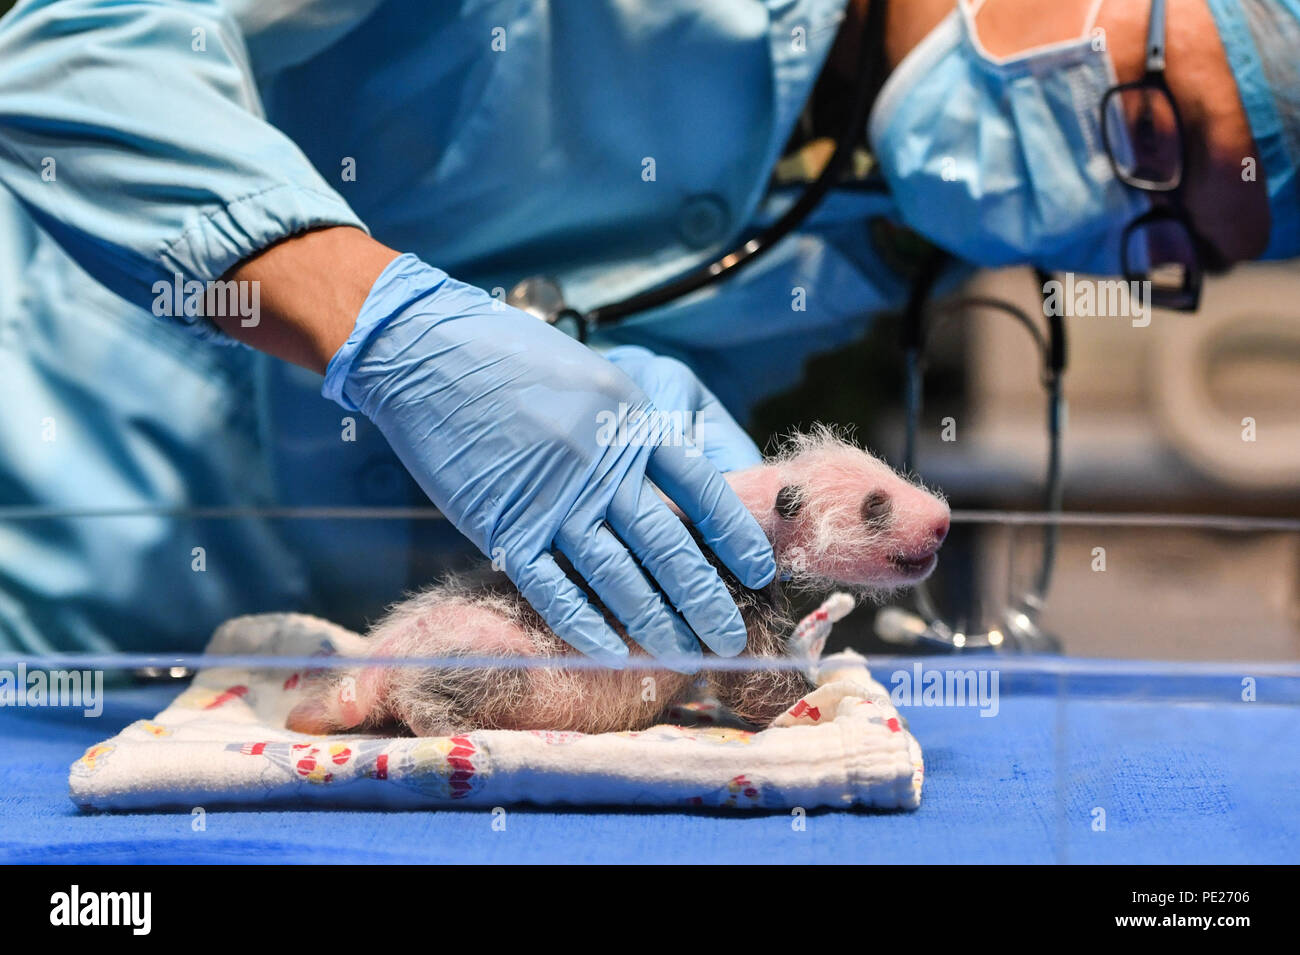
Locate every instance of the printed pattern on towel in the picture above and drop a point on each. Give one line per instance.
(223, 742)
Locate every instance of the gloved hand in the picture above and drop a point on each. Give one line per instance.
(672, 387)
(527, 441)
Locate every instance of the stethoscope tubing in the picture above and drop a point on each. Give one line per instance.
(869, 79)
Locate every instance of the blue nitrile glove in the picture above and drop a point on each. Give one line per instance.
(529, 441)
(673, 388)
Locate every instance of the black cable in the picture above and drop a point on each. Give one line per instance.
(913, 341)
(870, 76)
(1054, 490)
(1056, 359)
(1053, 353)
(953, 306)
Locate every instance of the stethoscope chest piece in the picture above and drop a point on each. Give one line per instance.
(542, 297)
(539, 296)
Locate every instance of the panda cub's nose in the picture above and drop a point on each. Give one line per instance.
(940, 530)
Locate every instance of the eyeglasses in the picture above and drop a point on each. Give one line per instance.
(1142, 131)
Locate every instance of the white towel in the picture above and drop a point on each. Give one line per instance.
(223, 742)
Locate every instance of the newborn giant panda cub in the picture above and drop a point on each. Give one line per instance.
(837, 518)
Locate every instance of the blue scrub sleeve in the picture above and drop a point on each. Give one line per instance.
(133, 132)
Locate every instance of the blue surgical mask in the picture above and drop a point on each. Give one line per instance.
(1001, 161)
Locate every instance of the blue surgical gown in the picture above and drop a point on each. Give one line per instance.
(605, 143)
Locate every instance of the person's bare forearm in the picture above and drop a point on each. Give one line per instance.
(310, 289)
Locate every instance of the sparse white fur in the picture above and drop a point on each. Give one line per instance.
(811, 500)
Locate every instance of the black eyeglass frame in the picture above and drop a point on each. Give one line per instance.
(1186, 298)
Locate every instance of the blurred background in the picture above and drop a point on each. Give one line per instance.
(1155, 426)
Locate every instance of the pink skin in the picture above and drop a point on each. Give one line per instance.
(836, 517)
(835, 536)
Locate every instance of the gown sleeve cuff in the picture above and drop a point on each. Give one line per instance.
(222, 238)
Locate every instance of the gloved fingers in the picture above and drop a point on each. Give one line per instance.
(674, 388)
(604, 563)
(665, 548)
(633, 355)
(564, 607)
(709, 503)
(723, 441)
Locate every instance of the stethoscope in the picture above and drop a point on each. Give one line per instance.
(1018, 627)
(542, 296)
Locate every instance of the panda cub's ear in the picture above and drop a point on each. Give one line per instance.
(789, 501)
